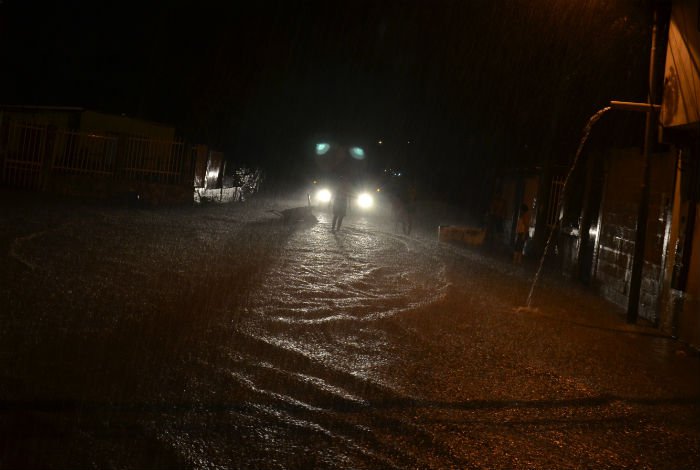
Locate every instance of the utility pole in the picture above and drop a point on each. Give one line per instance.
(649, 141)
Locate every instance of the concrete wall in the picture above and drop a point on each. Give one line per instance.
(681, 103)
(681, 301)
(91, 121)
(689, 321)
(622, 192)
(67, 118)
(680, 118)
(79, 119)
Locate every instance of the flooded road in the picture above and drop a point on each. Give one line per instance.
(315, 368)
(219, 337)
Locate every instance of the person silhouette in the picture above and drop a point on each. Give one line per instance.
(340, 204)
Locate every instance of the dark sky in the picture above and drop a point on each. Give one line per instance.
(470, 83)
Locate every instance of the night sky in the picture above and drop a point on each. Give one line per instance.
(472, 84)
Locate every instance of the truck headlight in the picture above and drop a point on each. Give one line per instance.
(323, 195)
(365, 200)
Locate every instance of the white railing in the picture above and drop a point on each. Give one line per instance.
(24, 152)
(153, 160)
(31, 152)
(84, 153)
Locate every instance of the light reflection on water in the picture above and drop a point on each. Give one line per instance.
(357, 275)
(312, 351)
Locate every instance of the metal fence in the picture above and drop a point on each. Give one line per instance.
(32, 154)
(23, 155)
(154, 160)
(84, 153)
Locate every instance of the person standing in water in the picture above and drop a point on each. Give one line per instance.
(340, 204)
(408, 200)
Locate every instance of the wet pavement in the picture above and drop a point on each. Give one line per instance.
(218, 337)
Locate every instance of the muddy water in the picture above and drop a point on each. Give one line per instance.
(307, 365)
(215, 338)
(357, 274)
(221, 338)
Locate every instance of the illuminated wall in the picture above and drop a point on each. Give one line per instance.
(619, 208)
(680, 118)
(681, 101)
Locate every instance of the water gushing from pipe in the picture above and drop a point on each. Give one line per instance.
(586, 132)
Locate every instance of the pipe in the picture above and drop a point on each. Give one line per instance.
(632, 106)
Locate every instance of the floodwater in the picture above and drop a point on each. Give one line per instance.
(218, 337)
